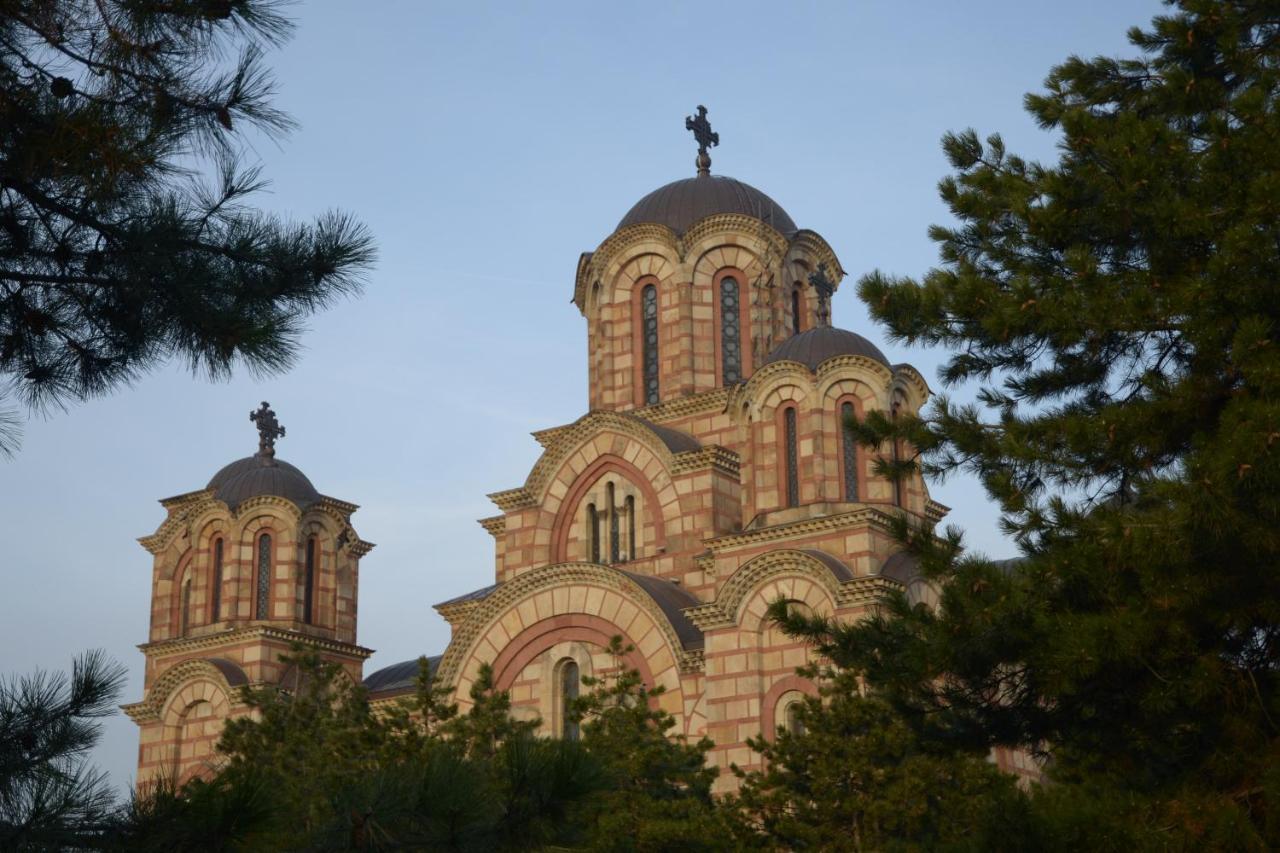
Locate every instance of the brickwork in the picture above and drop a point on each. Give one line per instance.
(670, 524)
(198, 657)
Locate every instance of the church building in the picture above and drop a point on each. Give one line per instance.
(709, 477)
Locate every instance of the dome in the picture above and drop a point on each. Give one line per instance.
(255, 476)
(816, 345)
(680, 204)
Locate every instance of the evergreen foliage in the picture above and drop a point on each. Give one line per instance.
(49, 797)
(857, 777)
(1118, 309)
(125, 237)
(656, 793)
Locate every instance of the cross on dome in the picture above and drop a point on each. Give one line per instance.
(269, 430)
(705, 137)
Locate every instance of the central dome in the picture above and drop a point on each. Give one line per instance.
(255, 476)
(680, 204)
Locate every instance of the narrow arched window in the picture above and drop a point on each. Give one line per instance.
(789, 446)
(850, 448)
(570, 679)
(730, 331)
(795, 311)
(264, 576)
(615, 528)
(185, 615)
(791, 719)
(649, 341)
(309, 579)
(632, 548)
(593, 522)
(215, 591)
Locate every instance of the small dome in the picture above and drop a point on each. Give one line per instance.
(816, 345)
(680, 204)
(255, 476)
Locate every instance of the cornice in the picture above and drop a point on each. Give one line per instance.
(496, 525)
(935, 511)
(867, 515)
(513, 499)
(682, 407)
(183, 645)
(720, 459)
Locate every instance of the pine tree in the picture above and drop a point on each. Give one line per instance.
(125, 237)
(856, 777)
(1119, 310)
(49, 797)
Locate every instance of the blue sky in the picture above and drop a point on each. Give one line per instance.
(487, 146)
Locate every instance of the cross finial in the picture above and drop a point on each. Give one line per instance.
(269, 430)
(823, 287)
(702, 133)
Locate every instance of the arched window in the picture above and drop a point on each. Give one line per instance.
(593, 522)
(309, 590)
(570, 679)
(632, 548)
(615, 528)
(795, 310)
(649, 341)
(850, 453)
(792, 461)
(264, 577)
(185, 616)
(730, 331)
(215, 588)
(791, 718)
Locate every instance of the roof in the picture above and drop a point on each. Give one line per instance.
(259, 475)
(672, 600)
(680, 204)
(399, 677)
(675, 440)
(816, 345)
(474, 595)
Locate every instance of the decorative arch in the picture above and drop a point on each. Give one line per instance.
(566, 589)
(585, 481)
(824, 570)
(223, 674)
(771, 703)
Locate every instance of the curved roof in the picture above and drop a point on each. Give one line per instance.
(254, 476)
(672, 600)
(681, 203)
(399, 676)
(675, 440)
(816, 345)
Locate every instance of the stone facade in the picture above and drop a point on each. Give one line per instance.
(710, 477)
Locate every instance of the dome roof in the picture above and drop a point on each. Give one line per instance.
(818, 344)
(255, 476)
(680, 204)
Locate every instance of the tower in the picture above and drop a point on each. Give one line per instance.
(710, 476)
(254, 562)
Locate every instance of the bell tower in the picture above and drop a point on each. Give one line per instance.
(243, 569)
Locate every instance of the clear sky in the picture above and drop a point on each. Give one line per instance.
(487, 145)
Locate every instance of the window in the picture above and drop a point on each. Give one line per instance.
(730, 331)
(795, 311)
(264, 576)
(185, 615)
(792, 466)
(593, 522)
(570, 679)
(215, 592)
(615, 546)
(791, 718)
(632, 548)
(850, 448)
(308, 591)
(649, 341)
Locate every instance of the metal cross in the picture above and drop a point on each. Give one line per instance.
(701, 130)
(823, 287)
(269, 429)
(702, 133)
